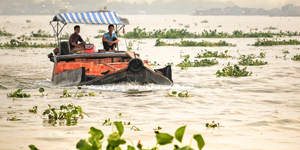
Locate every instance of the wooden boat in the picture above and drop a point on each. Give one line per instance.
(98, 68)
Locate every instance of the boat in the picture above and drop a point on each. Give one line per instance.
(98, 67)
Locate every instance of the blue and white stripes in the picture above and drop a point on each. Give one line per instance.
(90, 18)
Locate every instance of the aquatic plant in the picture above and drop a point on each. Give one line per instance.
(18, 94)
(34, 109)
(114, 140)
(154, 63)
(270, 28)
(181, 94)
(212, 125)
(15, 43)
(184, 43)
(3, 32)
(204, 62)
(108, 122)
(296, 57)
(101, 31)
(66, 94)
(266, 42)
(208, 54)
(138, 33)
(41, 33)
(204, 21)
(65, 36)
(248, 61)
(262, 55)
(69, 112)
(42, 90)
(285, 52)
(13, 119)
(233, 71)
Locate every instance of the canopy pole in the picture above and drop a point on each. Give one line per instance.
(57, 31)
(116, 31)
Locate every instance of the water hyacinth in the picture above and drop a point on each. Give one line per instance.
(233, 71)
(266, 42)
(208, 54)
(184, 43)
(138, 33)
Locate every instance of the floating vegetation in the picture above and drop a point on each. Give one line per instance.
(212, 125)
(13, 119)
(15, 43)
(114, 140)
(187, 26)
(69, 112)
(285, 52)
(204, 21)
(193, 43)
(248, 61)
(3, 32)
(41, 33)
(138, 33)
(18, 94)
(108, 122)
(28, 21)
(233, 71)
(34, 109)
(266, 42)
(65, 36)
(181, 94)
(42, 90)
(101, 31)
(204, 62)
(154, 63)
(65, 94)
(208, 54)
(296, 57)
(270, 28)
(262, 55)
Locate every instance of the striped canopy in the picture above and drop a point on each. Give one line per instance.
(90, 18)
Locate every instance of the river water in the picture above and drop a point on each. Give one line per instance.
(260, 112)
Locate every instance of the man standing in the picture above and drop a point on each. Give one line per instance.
(73, 41)
(110, 39)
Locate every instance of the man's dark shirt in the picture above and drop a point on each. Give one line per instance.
(74, 38)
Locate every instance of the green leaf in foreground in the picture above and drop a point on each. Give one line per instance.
(32, 147)
(114, 140)
(83, 145)
(179, 133)
(164, 138)
(200, 141)
(120, 127)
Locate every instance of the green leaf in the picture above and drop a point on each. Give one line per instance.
(179, 133)
(41, 90)
(129, 147)
(96, 132)
(114, 140)
(120, 127)
(174, 92)
(200, 141)
(164, 138)
(83, 145)
(32, 147)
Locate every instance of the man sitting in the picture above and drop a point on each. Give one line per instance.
(73, 42)
(110, 39)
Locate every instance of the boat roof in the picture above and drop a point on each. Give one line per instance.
(98, 18)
